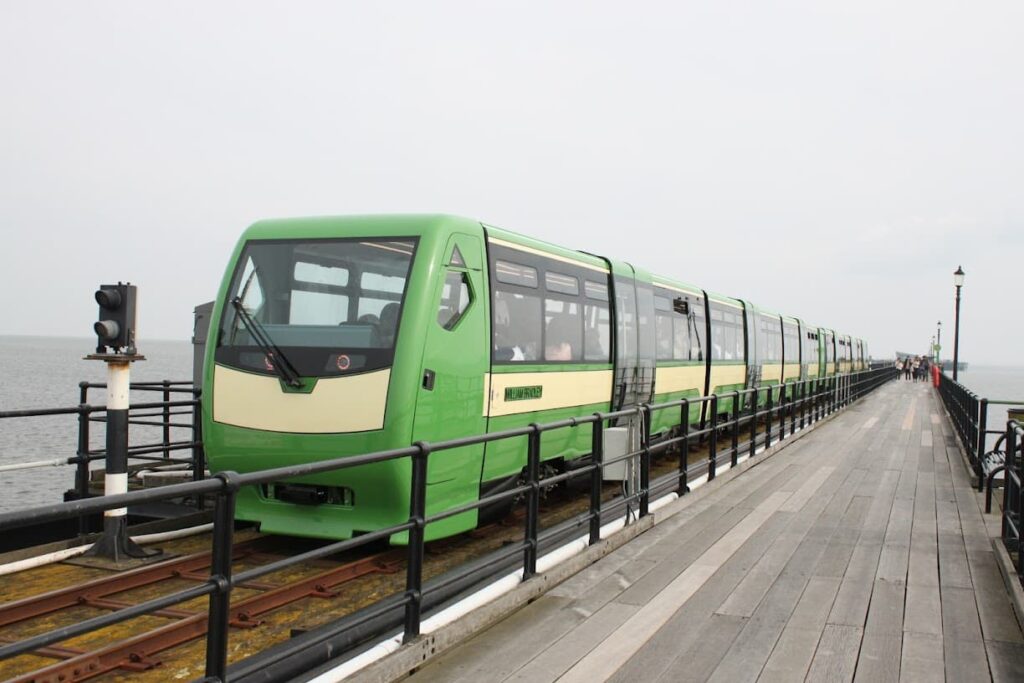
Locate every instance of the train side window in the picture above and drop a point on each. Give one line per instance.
(561, 284)
(791, 343)
(455, 299)
(681, 338)
(595, 290)
(663, 329)
(726, 334)
(517, 326)
(515, 274)
(563, 330)
(596, 333)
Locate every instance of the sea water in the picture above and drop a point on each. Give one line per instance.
(44, 372)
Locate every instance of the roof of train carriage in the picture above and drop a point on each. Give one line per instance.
(676, 285)
(500, 235)
(355, 225)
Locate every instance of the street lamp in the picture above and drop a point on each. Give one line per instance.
(958, 282)
(938, 346)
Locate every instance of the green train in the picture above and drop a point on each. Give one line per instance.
(346, 335)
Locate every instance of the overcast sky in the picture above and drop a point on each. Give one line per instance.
(834, 161)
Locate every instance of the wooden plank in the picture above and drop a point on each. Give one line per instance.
(792, 655)
(923, 609)
(1006, 661)
(965, 660)
(922, 658)
(566, 651)
(959, 614)
(836, 656)
(879, 658)
(995, 609)
(885, 613)
(702, 658)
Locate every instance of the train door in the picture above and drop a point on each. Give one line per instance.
(451, 397)
(633, 382)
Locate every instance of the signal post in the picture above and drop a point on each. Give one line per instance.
(115, 333)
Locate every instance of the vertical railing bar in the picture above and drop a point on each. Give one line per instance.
(684, 449)
(167, 419)
(596, 478)
(532, 501)
(735, 429)
(753, 422)
(417, 544)
(645, 460)
(713, 441)
(220, 575)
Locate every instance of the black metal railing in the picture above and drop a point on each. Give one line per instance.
(1013, 499)
(175, 418)
(799, 405)
(969, 414)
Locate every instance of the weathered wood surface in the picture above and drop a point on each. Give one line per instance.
(859, 552)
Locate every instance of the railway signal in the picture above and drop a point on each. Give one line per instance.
(115, 328)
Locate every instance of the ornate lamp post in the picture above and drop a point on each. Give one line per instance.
(958, 282)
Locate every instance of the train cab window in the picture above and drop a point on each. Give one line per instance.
(515, 274)
(517, 327)
(455, 299)
(563, 331)
(314, 299)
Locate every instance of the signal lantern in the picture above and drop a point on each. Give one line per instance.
(115, 329)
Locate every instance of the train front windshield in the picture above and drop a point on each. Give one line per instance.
(331, 307)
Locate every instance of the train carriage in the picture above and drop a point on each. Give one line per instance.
(342, 336)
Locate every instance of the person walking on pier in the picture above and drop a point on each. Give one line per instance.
(899, 368)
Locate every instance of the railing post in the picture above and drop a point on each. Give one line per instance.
(82, 456)
(167, 419)
(1008, 481)
(980, 444)
(198, 450)
(596, 477)
(713, 441)
(684, 449)
(753, 423)
(782, 416)
(645, 460)
(792, 410)
(769, 409)
(417, 534)
(735, 428)
(220, 576)
(803, 403)
(532, 501)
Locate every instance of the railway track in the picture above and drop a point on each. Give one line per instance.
(142, 651)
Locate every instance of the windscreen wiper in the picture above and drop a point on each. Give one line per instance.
(278, 361)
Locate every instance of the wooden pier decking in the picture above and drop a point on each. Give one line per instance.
(859, 552)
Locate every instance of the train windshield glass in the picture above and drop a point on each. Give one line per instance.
(330, 306)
